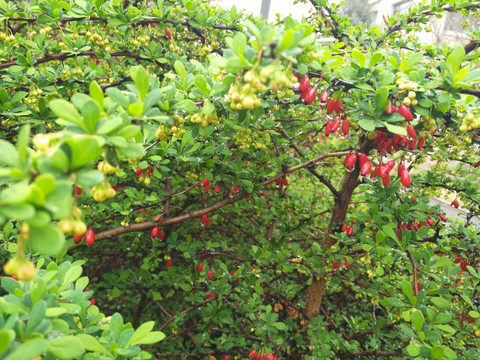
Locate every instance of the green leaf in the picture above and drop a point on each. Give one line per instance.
(22, 142)
(239, 43)
(417, 319)
(413, 349)
(91, 344)
(440, 302)
(66, 347)
(287, 40)
(375, 59)
(47, 240)
(118, 97)
(357, 55)
(141, 78)
(29, 349)
(437, 352)
(252, 28)
(472, 313)
(201, 84)
(96, 93)
(394, 129)
(152, 99)
(367, 125)
(37, 314)
(91, 114)
(150, 338)
(454, 60)
(181, 72)
(72, 275)
(84, 151)
(6, 337)
(280, 326)
(381, 98)
(135, 109)
(8, 154)
(66, 111)
(186, 105)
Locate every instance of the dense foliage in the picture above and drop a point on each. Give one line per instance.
(255, 190)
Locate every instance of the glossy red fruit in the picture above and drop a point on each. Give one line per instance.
(204, 219)
(382, 171)
(375, 172)
(161, 235)
(350, 160)
(344, 227)
(477, 164)
(205, 182)
(324, 96)
(349, 231)
(386, 180)
(347, 264)
(285, 181)
(169, 263)
(389, 166)
(200, 267)
(334, 105)
(335, 125)
(14, 277)
(310, 95)
(258, 356)
(336, 265)
(362, 159)
(304, 84)
(421, 142)
(139, 171)
(210, 274)
(442, 217)
(366, 168)
(345, 127)
(328, 128)
(252, 354)
(154, 232)
(89, 237)
(411, 131)
(78, 190)
(78, 238)
(455, 203)
(148, 4)
(405, 112)
(168, 33)
(429, 222)
(227, 357)
(405, 177)
(389, 110)
(93, 301)
(216, 188)
(411, 144)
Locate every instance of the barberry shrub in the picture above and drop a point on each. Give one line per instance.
(256, 190)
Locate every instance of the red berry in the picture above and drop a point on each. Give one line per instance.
(344, 227)
(169, 263)
(310, 95)
(78, 190)
(336, 265)
(304, 84)
(455, 203)
(14, 277)
(386, 180)
(421, 142)
(347, 264)
(152, 24)
(233, 272)
(205, 181)
(204, 219)
(227, 357)
(161, 235)
(200, 267)
(334, 105)
(442, 217)
(93, 301)
(405, 112)
(258, 356)
(365, 168)
(324, 96)
(120, 297)
(154, 232)
(350, 160)
(139, 171)
(349, 231)
(362, 158)
(216, 188)
(168, 33)
(335, 125)
(389, 166)
(328, 128)
(405, 177)
(252, 354)
(148, 4)
(411, 131)
(207, 187)
(210, 274)
(78, 238)
(345, 127)
(389, 110)
(429, 222)
(90, 237)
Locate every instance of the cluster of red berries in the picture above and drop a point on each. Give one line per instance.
(234, 189)
(139, 171)
(206, 184)
(156, 232)
(89, 237)
(402, 110)
(205, 220)
(382, 170)
(258, 355)
(308, 94)
(347, 229)
(385, 144)
(279, 182)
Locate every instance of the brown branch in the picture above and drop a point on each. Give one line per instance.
(371, 331)
(415, 269)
